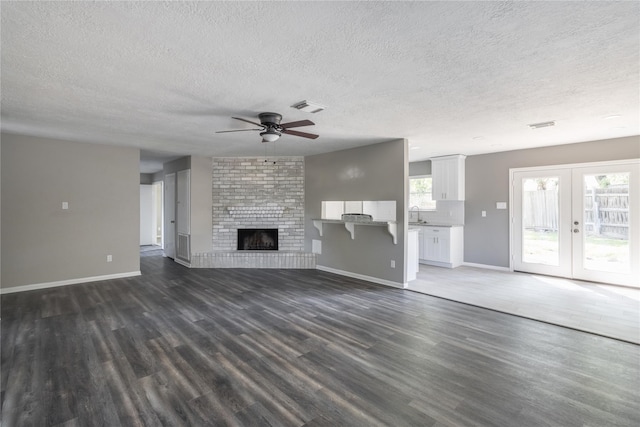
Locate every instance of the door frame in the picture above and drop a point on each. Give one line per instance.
(569, 166)
(582, 272)
(563, 268)
(169, 216)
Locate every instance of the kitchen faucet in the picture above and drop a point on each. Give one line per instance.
(411, 209)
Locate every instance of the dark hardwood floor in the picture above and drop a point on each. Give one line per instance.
(296, 348)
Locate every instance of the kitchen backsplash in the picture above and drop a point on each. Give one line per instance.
(447, 212)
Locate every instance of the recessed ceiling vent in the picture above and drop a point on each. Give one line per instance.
(542, 125)
(308, 107)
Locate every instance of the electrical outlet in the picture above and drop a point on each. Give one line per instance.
(109, 258)
(393, 263)
(484, 213)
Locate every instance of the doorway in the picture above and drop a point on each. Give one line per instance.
(577, 221)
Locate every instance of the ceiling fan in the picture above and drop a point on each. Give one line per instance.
(272, 129)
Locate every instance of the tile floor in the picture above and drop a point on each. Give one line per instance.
(611, 311)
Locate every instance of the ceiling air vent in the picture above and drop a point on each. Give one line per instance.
(308, 107)
(542, 124)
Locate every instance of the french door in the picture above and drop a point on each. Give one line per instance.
(578, 221)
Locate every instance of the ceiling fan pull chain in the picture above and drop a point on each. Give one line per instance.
(265, 152)
(274, 153)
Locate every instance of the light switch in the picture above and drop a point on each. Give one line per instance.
(501, 205)
(65, 205)
(484, 213)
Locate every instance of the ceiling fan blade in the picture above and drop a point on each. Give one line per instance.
(302, 134)
(297, 124)
(238, 130)
(248, 121)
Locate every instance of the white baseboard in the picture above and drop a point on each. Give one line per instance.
(362, 277)
(182, 262)
(45, 285)
(486, 266)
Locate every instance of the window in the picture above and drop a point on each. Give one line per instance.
(420, 193)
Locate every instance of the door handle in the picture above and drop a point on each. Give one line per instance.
(575, 230)
(575, 223)
(173, 222)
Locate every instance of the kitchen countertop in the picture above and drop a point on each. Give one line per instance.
(433, 224)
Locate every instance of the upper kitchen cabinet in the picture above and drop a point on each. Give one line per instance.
(447, 173)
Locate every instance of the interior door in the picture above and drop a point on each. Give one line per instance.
(170, 215)
(580, 222)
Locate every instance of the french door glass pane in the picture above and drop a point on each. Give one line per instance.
(606, 222)
(540, 213)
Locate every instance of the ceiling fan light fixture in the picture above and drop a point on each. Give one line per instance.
(270, 135)
(271, 128)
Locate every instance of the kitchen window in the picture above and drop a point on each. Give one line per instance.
(420, 188)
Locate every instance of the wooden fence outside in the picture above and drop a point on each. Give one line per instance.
(606, 211)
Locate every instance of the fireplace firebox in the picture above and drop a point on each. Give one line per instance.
(257, 239)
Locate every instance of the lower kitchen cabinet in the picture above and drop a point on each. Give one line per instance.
(441, 246)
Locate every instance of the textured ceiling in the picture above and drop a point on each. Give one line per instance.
(451, 77)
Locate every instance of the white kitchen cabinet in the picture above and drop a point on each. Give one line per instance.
(441, 246)
(447, 173)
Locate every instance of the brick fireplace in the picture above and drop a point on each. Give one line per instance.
(251, 193)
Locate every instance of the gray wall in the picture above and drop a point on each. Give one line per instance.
(200, 198)
(201, 201)
(420, 168)
(158, 176)
(146, 178)
(374, 172)
(43, 243)
(176, 165)
(486, 240)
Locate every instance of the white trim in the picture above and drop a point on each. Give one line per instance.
(575, 165)
(571, 168)
(46, 285)
(436, 263)
(362, 277)
(182, 262)
(486, 266)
